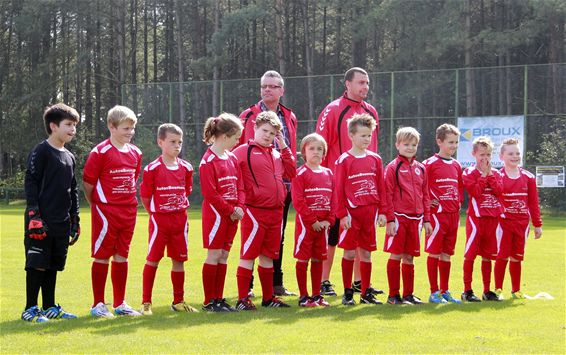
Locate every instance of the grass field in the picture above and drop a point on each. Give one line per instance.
(526, 326)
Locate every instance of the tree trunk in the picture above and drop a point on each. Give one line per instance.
(308, 60)
(470, 85)
(215, 70)
(279, 35)
(180, 56)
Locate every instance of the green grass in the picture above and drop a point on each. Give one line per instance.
(529, 326)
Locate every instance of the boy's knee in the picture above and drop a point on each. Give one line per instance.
(349, 254)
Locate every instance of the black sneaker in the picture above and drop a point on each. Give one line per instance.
(369, 298)
(326, 289)
(348, 298)
(357, 286)
(281, 291)
(213, 307)
(374, 291)
(221, 303)
(490, 296)
(274, 302)
(396, 300)
(469, 296)
(412, 299)
(245, 304)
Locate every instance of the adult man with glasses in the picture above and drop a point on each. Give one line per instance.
(332, 124)
(272, 89)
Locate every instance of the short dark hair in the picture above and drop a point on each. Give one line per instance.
(352, 71)
(57, 113)
(168, 128)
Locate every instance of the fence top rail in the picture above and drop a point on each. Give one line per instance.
(341, 74)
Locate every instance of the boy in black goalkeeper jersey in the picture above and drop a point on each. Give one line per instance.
(52, 213)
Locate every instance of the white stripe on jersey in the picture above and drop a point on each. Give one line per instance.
(100, 192)
(253, 233)
(301, 236)
(103, 231)
(214, 230)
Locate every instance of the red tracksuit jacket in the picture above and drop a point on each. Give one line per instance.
(520, 197)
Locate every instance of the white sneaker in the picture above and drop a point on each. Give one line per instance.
(125, 310)
(101, 311)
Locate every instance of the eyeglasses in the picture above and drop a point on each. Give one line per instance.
(272, 87)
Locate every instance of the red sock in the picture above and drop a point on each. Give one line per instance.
(148, 278)
(365, 271)
(499, 272)
(220, 279)
(301, 272)
(347, 272)
(486, 274)
(178, 281)
(444, 272)
(316, 277)
(515, 271)
(209, 281)
(394, 276)
(408, 272)
(98, 272)
(244, 277)
(468, 272)
(119, 275)
(432, 270)
(266, 280)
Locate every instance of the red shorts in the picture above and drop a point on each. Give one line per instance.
(308, 243)
(444, 232)
(168, 230)
(112, 229)
(362, 231)
(512, 239)
(261, 232)
(481, 237)
(217, 231)
(407, 239)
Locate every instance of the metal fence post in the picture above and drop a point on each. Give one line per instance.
(457, 94)
(331, 87)
(170, 102)
(392, 109)
(221, 96)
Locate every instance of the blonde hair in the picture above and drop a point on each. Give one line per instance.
(445, 129)
(361, 120)
(484, 141)
(508, 141)
(168, 128)
(405, 134)
(118, 114)
(311, 138)
(268, 117)
(225, 123)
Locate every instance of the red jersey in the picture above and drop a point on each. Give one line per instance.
(359, 182)
(520, 197)
(484, 192)
(444, 183)
(263, 170)
(221, 182)
(249, 115)
(168, 187)
(113, 173)
(312, 193)
(332, 124)
(406, 189)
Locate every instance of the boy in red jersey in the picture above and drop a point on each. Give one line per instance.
(520, 204)
(312, 191)
(167, 182)
(263, 169)
(484, 187)
(408, 203)
(446, 190)
(222, 208)
(360, 197)
(109, 178)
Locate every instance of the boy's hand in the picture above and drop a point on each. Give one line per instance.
(75, 229)
(280, 141)
(345, 222)
(428, 229)
(238, 214)
(391, 229)
(317, 226)
(325, 224)
(538, 232)
(35, 228)
(381, 220)
(433, 203)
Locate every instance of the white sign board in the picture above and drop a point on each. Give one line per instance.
(550, 176)
(498, 128)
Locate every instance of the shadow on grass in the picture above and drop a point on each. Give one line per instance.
(164, 319)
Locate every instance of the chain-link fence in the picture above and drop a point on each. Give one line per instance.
(422, 99)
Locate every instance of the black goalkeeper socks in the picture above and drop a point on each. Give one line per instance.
(34, 279)
(48, 288)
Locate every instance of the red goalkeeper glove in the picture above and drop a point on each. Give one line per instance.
(35, 227)
(75, 229)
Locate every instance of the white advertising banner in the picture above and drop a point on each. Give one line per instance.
(498, 128)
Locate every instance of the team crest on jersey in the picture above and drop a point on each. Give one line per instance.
(417, 171)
